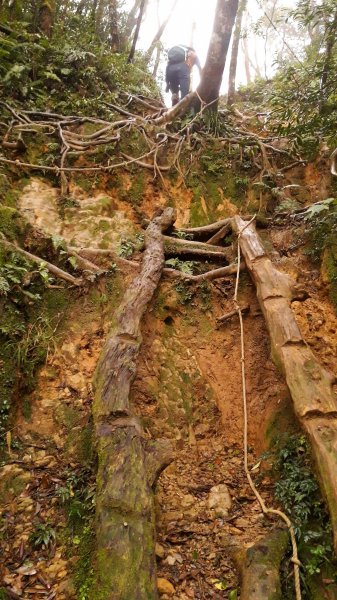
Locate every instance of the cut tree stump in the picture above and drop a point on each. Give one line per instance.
(310, 385)
(128, 464)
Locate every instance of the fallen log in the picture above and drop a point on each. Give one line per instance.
(259, 567)
(310, 385)
(128, 464)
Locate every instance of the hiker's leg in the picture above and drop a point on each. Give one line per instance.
(184, 80)
(173, 82)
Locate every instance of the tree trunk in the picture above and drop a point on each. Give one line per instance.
(99, 14)
(46, 14)
(235, 51)
(135, 37)
(159, 33)
(157, 60)
(212, 73)
(327, 66)
(310, 385)
(246, 59)
(132, 19)
(113, 26)
(128, 464)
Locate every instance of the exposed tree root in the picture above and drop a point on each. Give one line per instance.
(40, 261)
(207, 229)
(125, 560)
(208, 276)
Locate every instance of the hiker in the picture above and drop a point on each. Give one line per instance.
(181, 59)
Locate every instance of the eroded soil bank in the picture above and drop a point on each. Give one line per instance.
(188, 389)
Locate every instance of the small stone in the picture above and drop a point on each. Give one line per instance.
(160, 550)
(187, 501)
(165, 587)
(219, 500)
(242, 523)
(69, 351)
(77, 382)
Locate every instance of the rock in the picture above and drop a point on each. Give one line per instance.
(187, 501)
(165, 587)
(45, 461)
(67, 587)
(160, 550)
(174, 557)
(69, 351)
(219, 500)
(77, 382)
(173, 515)
(242, 523)
(13, 481)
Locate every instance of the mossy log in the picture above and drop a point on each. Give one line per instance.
(128, 464)
(259, 567)
(310, 385)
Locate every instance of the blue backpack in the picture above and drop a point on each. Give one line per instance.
(177, 54)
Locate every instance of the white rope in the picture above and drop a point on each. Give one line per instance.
(264, 508)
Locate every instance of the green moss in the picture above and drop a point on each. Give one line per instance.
(136, 192)
(67, 416)
(12, 225)
(84, 572)
(330, 264)
(26, 409)
(12, 484)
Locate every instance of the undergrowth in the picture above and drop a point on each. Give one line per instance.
(298, 492)
(77, 496)
(322, 236)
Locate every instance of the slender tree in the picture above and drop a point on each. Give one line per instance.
(113, 26)
(330, 41)
(235, 51)
(135, 37)
(46, 15)
(212, 73)
(161, 29)
(244, 47)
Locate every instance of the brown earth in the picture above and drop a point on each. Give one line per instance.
(188, 388)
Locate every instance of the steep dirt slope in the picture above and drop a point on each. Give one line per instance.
(188, 388)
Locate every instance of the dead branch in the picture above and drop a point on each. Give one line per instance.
(219, 235)
(232, 313)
